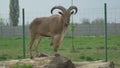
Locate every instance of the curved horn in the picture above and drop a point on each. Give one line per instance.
(58, 7)
(73, 7)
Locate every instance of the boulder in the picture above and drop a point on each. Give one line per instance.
(56, 62)
(42, 62)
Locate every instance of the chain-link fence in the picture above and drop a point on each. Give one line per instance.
(88, 36)
(80, 30)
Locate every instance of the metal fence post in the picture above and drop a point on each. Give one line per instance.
(105, 13)
(72, 29)
(23, 18)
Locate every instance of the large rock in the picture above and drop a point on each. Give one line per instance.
(56, 62)
(43, 62)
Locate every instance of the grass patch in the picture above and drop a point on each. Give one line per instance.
(87, 58)
(88, 48)
(22, 66)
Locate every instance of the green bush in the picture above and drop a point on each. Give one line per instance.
(89, 58)
(3, 58)
(84, 57)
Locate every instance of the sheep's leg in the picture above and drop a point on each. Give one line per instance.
(36, 46)
(31, 44)
(51, 44)
(57, 41)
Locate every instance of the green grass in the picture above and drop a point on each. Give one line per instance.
(22, 66)
(87, 48)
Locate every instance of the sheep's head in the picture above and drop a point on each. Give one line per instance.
(66, 13)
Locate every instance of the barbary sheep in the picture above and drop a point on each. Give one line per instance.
(53, 26)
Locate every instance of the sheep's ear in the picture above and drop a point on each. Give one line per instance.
(60, 13)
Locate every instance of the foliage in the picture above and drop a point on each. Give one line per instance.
(1, 21)
(22, 66)
(3, 58)
(87, 58)
(14, 12)
(85, 21)
(98, 21)
(72, 26)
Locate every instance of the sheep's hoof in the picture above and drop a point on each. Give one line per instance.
(31, 57)
(57, 54)
(42, 55)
